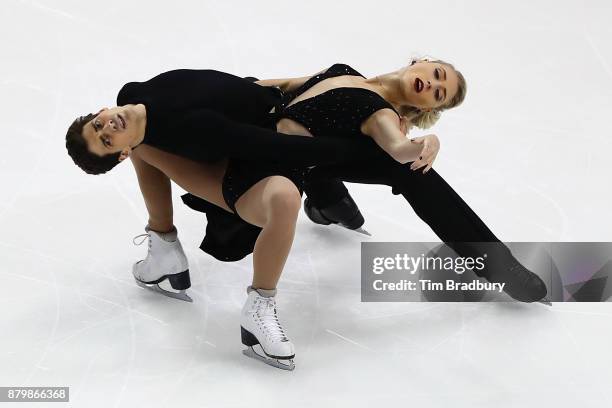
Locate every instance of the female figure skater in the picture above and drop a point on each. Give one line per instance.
(340, 102)
(341, 99)
(262, 202)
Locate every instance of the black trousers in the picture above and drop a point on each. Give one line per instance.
(229, 238)
(429, 195)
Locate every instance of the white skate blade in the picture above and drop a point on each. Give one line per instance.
(282, 364)
(362, 231)
(359, 230)
(180, 295)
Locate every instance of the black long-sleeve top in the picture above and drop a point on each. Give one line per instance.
(205, 115)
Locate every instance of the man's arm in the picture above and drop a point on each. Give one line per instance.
(287, 84)
(205, 135)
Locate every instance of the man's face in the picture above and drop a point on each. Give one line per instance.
(113, 130)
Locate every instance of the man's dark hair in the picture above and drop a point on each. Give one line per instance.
(76, 144)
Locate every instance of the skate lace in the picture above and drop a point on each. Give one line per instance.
(268, 320)
(145, 236)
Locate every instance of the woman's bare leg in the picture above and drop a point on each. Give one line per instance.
(201, 179)
(272, 204)
(157, 194)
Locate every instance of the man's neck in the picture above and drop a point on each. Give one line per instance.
(142, 123)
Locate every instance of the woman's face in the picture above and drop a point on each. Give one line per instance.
(113, 130)
(428, 85)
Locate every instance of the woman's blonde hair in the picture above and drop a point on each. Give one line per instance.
(424, 119)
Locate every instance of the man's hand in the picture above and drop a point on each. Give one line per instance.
(431, 147)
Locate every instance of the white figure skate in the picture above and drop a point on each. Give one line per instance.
(263, 334)
(165, 260)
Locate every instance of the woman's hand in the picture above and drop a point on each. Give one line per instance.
(431, 146)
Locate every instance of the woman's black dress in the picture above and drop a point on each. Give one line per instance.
(335, 115)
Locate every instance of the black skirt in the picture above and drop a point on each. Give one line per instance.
(241, 175)
(228, 237)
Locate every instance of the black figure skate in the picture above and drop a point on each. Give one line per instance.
(345, 213)
(502, 267)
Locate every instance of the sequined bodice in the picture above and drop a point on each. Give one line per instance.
(338, 112)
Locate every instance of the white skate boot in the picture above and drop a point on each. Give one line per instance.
(262, 333)
(165, 260)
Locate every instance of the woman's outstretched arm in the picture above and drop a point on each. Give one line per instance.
(385, 128)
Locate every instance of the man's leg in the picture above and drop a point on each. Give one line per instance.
(430, 196)
(448, 215)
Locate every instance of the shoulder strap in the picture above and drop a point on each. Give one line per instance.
(376, 102)
(333, 71)
(368, 101)
(342, 69)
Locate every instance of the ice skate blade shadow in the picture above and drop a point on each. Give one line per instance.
(334, 233)
(515, 305)
(545, 301)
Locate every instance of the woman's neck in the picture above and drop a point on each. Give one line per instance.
(388, 86)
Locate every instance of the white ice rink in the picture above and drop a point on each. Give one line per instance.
(529, 151)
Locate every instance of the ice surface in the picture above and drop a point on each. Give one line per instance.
(528, 150)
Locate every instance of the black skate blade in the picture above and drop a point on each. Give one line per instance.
(288, 365)
(181, 295)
